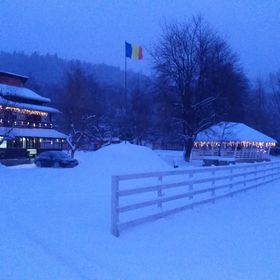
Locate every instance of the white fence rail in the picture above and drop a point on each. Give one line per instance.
(192, 187)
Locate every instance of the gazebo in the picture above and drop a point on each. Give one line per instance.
(231, 141)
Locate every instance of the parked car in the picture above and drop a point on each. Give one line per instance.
(55, 159)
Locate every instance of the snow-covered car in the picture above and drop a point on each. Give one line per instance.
(55, 159)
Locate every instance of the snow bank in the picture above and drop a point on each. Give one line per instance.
(123, 158)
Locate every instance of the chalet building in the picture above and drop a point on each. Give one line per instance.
(26, 120)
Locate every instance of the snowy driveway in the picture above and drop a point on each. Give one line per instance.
(55, 224)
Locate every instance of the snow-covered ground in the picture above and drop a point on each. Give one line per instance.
(55, 224)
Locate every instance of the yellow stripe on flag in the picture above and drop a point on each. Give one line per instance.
(135, 52)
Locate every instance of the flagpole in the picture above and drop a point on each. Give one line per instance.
(125, 90)
(125, 78)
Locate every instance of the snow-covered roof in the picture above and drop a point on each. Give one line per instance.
(40, 108)
(21, 92)
(22, 77)
(31, 132)
(231, 131)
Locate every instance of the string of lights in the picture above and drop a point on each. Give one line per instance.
(26, 124)
(24, 111)
(233, 144)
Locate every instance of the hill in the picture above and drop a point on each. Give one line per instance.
(49, 69)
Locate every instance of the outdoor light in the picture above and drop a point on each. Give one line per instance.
(25, 111)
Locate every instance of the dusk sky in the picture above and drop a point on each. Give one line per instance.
(95, 31)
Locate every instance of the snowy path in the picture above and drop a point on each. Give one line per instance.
(55, 224)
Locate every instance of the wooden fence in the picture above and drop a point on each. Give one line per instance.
(212, 183)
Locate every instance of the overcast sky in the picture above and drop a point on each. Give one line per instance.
(95, 30)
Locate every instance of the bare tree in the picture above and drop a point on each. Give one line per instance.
(7, 121)
(7, 135)
(224, 132)
(78, 137)
(76, 102)
(190, 57)
(274, 80)
(272, 115)
(139, 110)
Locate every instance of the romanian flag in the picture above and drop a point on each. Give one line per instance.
(133, 51)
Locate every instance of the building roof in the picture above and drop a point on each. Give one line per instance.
(231, 131)
(31, 132)
(10, 74)
(27, 106)
(21, 92)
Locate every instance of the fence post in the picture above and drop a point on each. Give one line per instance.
(213, 188)
(115, 206)
(213, 192)
(191, 184)
(159, 192)
(245, 183)
(230, 177)
(264, 173)
(273, 173)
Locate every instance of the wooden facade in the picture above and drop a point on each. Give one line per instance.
(26, 120)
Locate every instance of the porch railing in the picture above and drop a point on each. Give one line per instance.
(244, 153)
(25, 124)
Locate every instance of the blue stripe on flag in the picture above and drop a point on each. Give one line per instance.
(128, 50)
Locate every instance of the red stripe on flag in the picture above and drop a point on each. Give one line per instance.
(140, 53)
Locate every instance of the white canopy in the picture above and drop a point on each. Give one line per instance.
(231, 131)
(31, 132)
